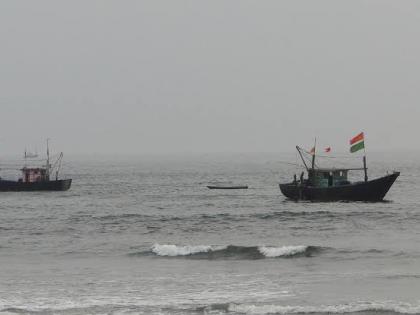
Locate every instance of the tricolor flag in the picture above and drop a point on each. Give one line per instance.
(327, 150)
(357, 143)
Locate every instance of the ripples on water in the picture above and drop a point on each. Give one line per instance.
(146, 236)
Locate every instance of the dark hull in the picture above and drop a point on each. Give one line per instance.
(374, 190)
(227, 187)
(52, 185)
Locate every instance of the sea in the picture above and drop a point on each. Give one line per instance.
(144, 235)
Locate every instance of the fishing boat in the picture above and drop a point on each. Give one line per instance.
(38, 178)
(332, 184)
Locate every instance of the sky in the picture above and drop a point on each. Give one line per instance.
(175, 76)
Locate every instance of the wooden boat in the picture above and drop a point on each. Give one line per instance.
(227, 187)
(38, 178)
(40, 185)
(323, 184)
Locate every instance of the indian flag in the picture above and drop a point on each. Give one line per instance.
(357, 143)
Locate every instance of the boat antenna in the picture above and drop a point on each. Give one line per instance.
(301, 156)
(313, 155)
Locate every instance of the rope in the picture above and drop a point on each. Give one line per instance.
(288, 163)
(338, 157)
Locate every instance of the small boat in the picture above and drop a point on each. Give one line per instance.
(38, 178)
(227, 187)
(332, 184)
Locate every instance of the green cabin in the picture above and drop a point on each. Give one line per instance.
(327, 177)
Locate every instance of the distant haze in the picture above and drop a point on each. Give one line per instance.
(152, 77)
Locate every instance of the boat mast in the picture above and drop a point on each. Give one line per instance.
(313, 156)
(59, 165)
(364, 163)
(48, 159)
(301, 156)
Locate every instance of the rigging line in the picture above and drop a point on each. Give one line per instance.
(31, 159)
(289, 163)
(308, 159)
(307, 154)
(25, 160)
(334, 157)
(338, 157)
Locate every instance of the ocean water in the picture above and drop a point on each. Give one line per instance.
(143, 235)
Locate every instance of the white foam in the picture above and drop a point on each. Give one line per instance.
(282, 251)
(388, 306)
(175, 250)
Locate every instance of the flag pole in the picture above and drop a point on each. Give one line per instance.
(364, 161)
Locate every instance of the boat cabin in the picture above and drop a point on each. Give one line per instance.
(327, 177)
(31, 175)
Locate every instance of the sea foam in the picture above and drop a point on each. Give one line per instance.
(232, 251)
(272, 252)
(175, 250)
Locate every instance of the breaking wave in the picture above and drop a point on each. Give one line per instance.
(260, 252)
(233, 252)
(174, 250)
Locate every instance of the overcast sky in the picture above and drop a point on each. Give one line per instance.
(146, 77)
